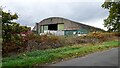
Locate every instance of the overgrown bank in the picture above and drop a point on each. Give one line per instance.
(47, 56)
(36, 42)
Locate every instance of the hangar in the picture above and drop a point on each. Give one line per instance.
(62, 26)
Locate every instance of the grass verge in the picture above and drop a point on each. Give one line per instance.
(47, 56)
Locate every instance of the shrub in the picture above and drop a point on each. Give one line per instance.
(101, 36)
(41, 42)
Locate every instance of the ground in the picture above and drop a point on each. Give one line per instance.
(41, 57)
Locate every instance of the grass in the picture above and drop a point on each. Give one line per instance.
(47, 56)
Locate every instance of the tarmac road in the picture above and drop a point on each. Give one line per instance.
(104, 58)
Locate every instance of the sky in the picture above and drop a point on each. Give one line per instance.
(30, 12)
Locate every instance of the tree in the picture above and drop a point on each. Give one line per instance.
(113, 20)
(7, 18)
(12, 40)
(10, 28)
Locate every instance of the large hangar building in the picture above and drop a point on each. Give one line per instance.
(62, 26)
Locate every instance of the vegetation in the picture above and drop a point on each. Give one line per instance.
(33, 49)
(113, 20)
(12, 40)
(44, 56)
(50, 41)
(36, 42)
(0, 23)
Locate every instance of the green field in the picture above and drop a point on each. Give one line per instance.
(47, 56)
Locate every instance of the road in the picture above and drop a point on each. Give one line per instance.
(104, 58)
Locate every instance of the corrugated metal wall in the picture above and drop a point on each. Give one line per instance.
(41, 31)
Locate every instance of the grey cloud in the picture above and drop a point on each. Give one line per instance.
(30, 13)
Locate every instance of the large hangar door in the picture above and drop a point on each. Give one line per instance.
(60, 26)
(45, 27)
(52, 27)
(41, 29)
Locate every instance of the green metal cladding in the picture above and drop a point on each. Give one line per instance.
(60, 26)
(80, 31)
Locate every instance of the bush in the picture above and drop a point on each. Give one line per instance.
(12, 46)
(52, 41)
(102, 36)
(17, 44)
(41, 42)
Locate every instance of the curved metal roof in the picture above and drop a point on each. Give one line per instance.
(71, 21)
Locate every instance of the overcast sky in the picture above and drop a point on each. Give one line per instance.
(31, 11)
